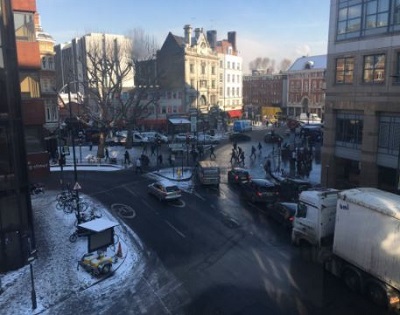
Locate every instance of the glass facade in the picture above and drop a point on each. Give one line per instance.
(349, 129)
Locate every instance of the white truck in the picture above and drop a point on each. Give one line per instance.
(357, 232)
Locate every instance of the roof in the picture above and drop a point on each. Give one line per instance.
(309, 63)
(98, 225)
(177, 121)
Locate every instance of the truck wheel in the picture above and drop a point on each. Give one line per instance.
(352, 280)
(105, 269)
(377, 294)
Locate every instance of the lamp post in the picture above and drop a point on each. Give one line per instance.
(31, 258)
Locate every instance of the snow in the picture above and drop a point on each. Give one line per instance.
(57, 275)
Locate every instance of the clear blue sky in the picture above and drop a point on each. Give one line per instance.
(276, 29)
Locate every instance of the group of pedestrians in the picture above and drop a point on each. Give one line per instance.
(237, 155)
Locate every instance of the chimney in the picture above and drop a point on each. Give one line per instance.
(188, 34)
(232, 40)
(197, 32)
(212, 38)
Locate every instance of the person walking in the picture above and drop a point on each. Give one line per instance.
(106, 154)
(259, 148)
(138, 165)
(253, 151)
(160, 159)
(241, 158)
(212, 154)
(153, 149)
(233, 156)
(127, 158)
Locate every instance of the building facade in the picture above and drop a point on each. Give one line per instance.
(262, 90)
(362, 111)
(306, 86)
(20, 130)
(194, 69)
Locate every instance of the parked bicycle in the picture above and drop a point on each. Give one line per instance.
(37, 188)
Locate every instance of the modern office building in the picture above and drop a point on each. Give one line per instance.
(362, 109)
(21, 120)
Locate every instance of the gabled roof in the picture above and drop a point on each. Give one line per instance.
(309, 63)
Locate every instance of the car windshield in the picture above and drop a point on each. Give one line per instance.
(171, 188)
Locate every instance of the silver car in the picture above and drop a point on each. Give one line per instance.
(164, 190)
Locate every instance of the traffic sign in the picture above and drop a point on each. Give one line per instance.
(77, 186)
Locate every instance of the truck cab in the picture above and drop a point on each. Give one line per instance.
(314, 221)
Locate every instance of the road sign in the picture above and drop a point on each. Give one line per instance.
(77, 186)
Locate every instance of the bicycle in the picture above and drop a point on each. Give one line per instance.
(86, 216)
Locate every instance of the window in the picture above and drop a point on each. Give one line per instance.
(349, 21)
(349, 128)
(212, 70)
(221, 77)
(213, 84)
(191, 68)
(203, 68)
(377, 13)
(374, 69)
(389, 134)
(233, 78)
(24, 27)
(396, 13)
(229, 65)
(228, 91)
(221, 63)
(344, 70)
(228, 78)
(221, 91)
(233, 65)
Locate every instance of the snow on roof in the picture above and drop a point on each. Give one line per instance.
(375, 199)
(98, 225)
(177, 121)
(309, 62)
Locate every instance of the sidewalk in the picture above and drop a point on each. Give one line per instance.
(56, 273)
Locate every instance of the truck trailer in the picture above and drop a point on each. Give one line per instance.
(365, 234)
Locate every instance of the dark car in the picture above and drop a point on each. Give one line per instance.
(260, 190)
(237, 175)
(239, 136)
(283, 212)
(272, 137)
(290, 188)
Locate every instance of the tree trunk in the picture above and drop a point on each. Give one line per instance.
(100, 148)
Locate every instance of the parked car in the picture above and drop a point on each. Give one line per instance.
(181, 137)
(164, 190)
(272, 137)
(154, 136)
(237, 175)
(260, 190)
(238, 137)
(283, 212)
(207, 139)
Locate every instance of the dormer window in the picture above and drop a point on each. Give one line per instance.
(309, 65)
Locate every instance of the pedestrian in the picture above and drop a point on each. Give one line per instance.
(259, 148)
(127, 158)
(239, 151)
(253, 151)
(235, 146)
(138, 165)
(212, 154)
(233, 156)
(201, 150)
(90, 146)
(241, 158)
(160, 159)
(153, 149)
(267, 166)
(107, 156)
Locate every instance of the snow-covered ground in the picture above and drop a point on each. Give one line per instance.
(56, 272)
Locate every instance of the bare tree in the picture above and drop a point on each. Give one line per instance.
(284, 64)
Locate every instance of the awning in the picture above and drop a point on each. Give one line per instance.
(178, 121)
(236, 113)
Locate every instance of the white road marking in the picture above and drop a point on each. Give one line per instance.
(199, 196)
(175, 229)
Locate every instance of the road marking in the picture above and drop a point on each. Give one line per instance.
(175, 229)
(199, 196)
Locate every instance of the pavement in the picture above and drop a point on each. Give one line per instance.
(55, 277)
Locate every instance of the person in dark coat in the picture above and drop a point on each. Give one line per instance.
(127, 158)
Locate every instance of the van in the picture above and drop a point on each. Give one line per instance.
(154, 136)
(242, 126)
(208, 173)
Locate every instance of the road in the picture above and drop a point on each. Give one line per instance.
(228, 255)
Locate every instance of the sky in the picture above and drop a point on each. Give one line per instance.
(274, 29)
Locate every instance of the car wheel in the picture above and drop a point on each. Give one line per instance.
(377, 294)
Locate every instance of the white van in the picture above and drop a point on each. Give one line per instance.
(153, 136)
(120, 138)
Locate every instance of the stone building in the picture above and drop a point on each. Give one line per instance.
(306, 86)
(362, 110)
